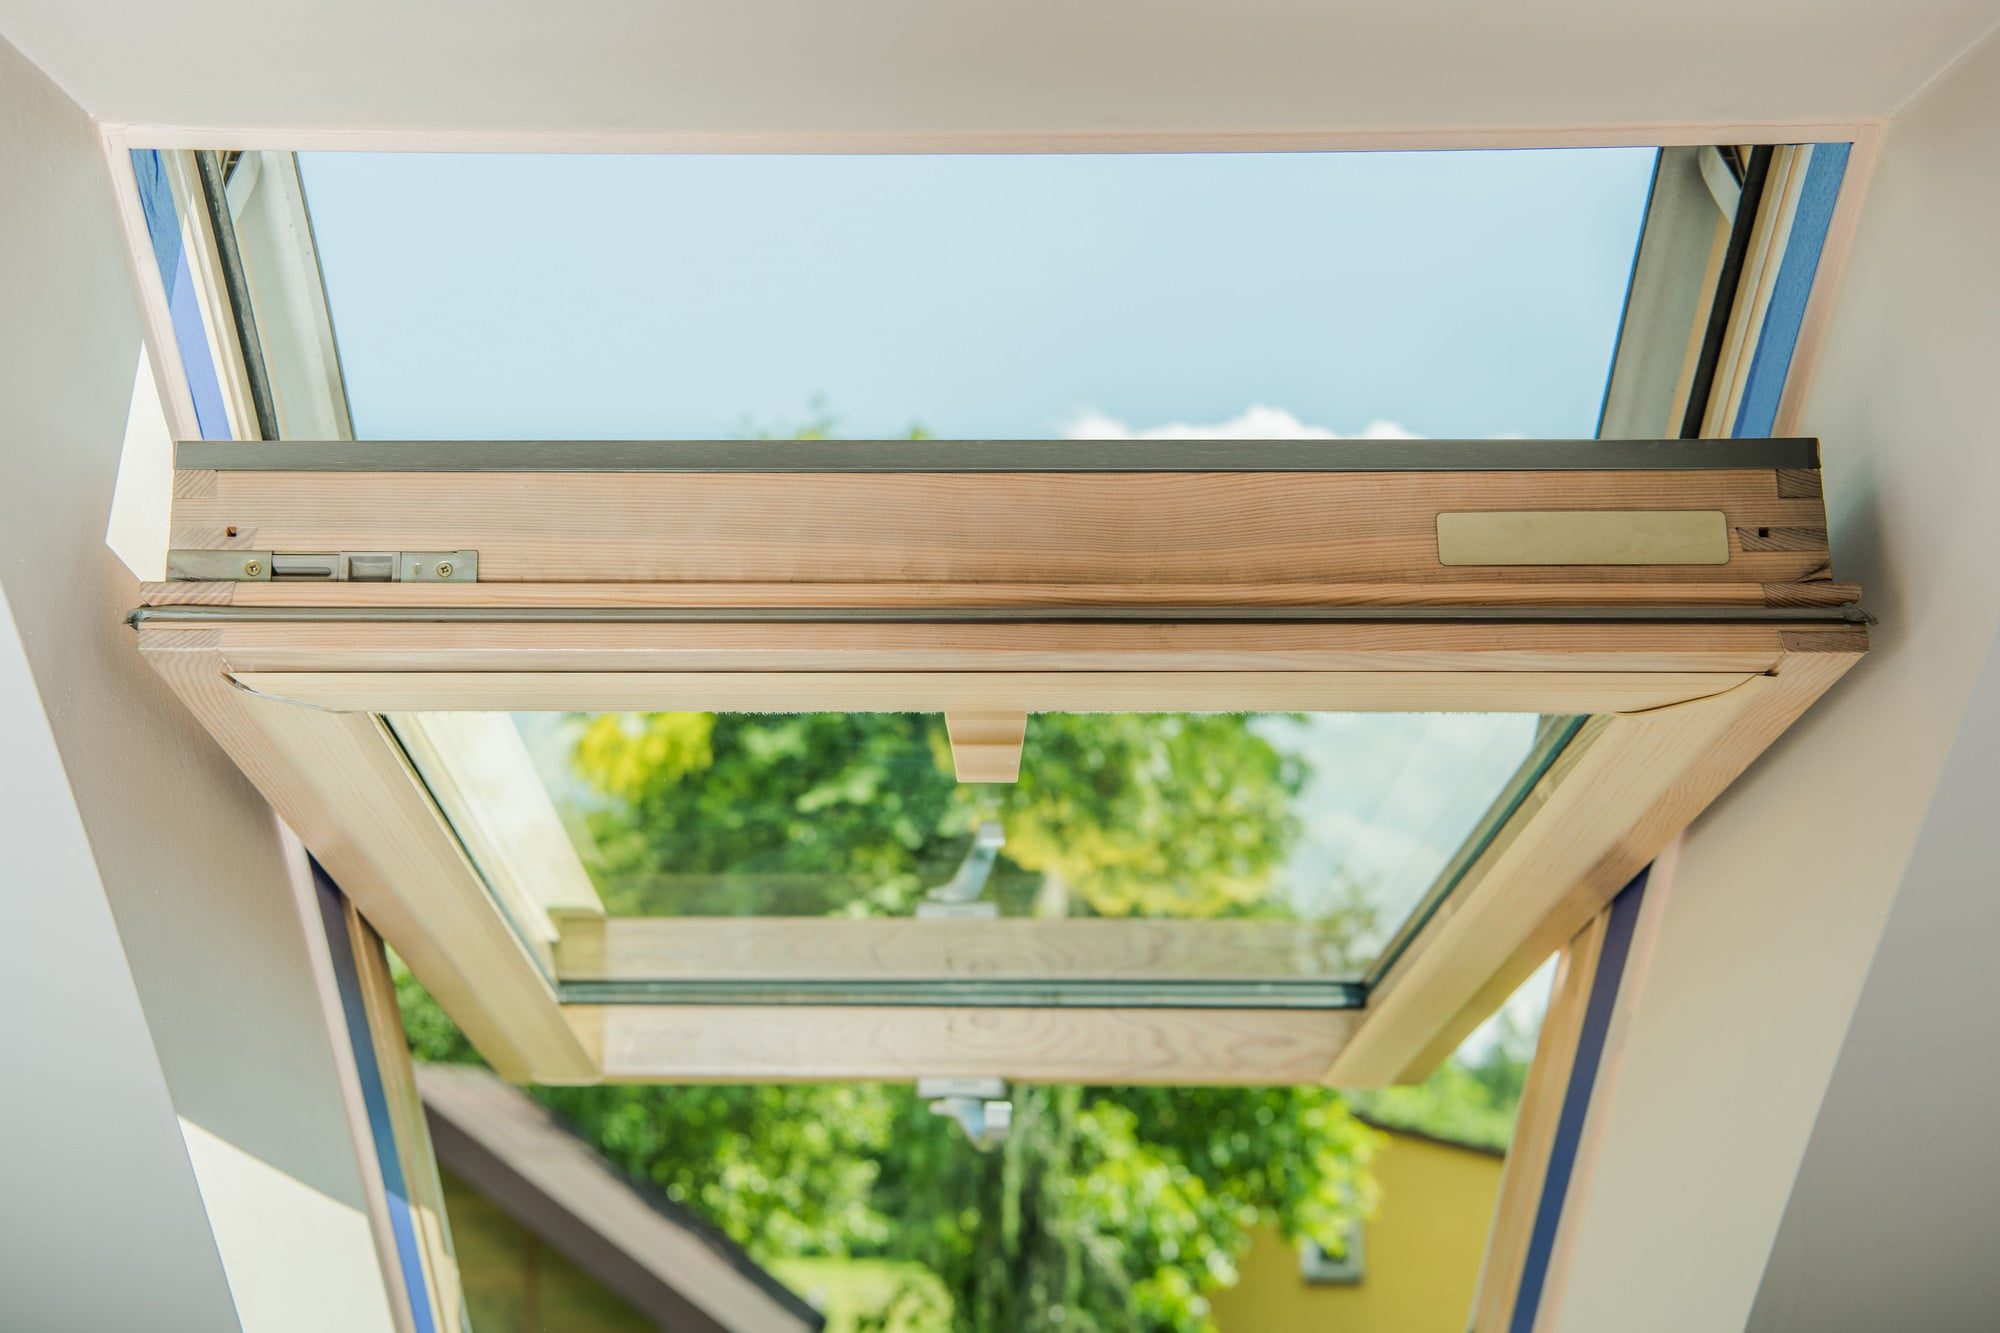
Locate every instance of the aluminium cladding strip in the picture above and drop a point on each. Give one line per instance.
(200, 614)
(785, 456)
(984, 992)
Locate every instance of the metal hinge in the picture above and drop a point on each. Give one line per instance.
(185, 566)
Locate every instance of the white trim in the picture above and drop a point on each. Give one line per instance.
(1643, 135)
(155, 318)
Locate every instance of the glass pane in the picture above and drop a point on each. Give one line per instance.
(1346, 823)
(995, 296)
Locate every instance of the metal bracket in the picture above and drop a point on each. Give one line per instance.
(192, 566)
(978, 1105)
(958, 898)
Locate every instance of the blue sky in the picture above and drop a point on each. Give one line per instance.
(1448, 294)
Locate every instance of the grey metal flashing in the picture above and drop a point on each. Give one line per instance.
(194, 614)
(791, 456)
(981, 993)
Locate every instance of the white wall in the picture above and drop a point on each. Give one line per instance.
(135, 809)
(1783, 888)
(923, 67)
(1762, 947)
(1895, 1216)
(94, 1178)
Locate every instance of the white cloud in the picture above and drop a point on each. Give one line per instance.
(1257, 422)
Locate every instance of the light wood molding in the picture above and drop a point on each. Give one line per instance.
(640, 1043)
(344, 787)
(903, 948)
(1449, 646)
(480, 773)
(1029, 691)
(1073, 528)
(986, 743)
(1677, 705)
(1692, 705)
(1225, 590)
(1600, 814)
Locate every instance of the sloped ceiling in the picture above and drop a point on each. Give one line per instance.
(915, 66)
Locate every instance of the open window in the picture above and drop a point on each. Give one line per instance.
(582, 725)
(1525, 735)
(562, 546)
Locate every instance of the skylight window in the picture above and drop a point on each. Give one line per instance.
(1441, 294)
(1296, 846)
(1222, 757)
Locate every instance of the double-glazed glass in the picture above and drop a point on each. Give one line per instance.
(1172, 847)
(977, 296)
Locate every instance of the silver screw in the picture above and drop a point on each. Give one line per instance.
(444, 569)
(253, 567)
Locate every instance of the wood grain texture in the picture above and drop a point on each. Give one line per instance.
(932, 528)
(1535, 1124)
(986, 743)
(1698, 701)
(906, 949)
(757, 1044)
(1605, 810)
(480, 773)
(1220, 589)
(845, 647)
(941, 691)
(344, 787)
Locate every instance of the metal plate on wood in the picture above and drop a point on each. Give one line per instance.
(190, 566)
(322, 567)
(1584, 537)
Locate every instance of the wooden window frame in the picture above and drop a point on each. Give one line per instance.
(1686, 673)
(446, 931)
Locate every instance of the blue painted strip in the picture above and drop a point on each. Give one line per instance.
(156, 201)
(1576, 1099)
(163, 228)
(348, 978)
(1771, 363)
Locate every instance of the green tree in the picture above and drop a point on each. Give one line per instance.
(807, 814)
(1471, 1098)
(1105, 1208)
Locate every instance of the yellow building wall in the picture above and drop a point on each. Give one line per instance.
(1421, 1253)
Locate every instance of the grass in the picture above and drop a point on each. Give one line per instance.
(870, 1295)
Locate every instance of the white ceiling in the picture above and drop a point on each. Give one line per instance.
(889, 66)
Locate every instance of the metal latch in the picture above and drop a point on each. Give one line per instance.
(186, 566)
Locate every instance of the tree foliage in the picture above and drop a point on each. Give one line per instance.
(1471, 1098)
(1105, 1208)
